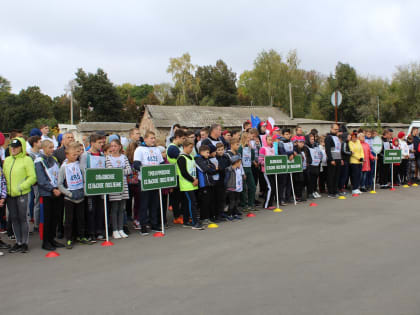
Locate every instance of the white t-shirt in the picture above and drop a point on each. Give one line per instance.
(148, 156)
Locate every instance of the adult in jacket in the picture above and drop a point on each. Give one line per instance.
(19, 171)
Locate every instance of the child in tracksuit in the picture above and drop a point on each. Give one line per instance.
(188, 183)
(234, 187)
(70, 183)
(205, 171)
(268, 150)
(223, 161)
(299, 180)
(248, 158)
(314, 157)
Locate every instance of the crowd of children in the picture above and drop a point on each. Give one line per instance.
(221, 174)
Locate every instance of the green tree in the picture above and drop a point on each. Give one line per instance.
(5, 86)
(163, 93)
(217, 85)
(181, 70)
(18, 110)
(97, 97)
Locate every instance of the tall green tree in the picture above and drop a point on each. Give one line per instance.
(5, 86)
(217, 85)
(97, 97)
(185, 85)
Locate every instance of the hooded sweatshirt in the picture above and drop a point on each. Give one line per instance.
(266, 150)
(19, 171)
(47, 170)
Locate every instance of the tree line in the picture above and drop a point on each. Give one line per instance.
(96, 98)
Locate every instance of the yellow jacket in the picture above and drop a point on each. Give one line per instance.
(357, 152)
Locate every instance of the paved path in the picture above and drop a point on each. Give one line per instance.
(354, 256)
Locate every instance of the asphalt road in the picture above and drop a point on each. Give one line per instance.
(354, 256)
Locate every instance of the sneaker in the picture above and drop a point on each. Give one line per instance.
(12, 237)
(317, 195)
(24, 248)
(126, 230)
(221, 219)
(123, 235)
(283, 203)
(3, 245)
(92, 239)
(1, 253)
(354, 192)
(205, 222)
(100, 237)
(136, 225)
(237, 217)
(230, 217)
(3, 231)
(48, 246)
(358, 191)
(116, 235)
(69, 244)
(15, 249)
(363, 189)
(143, 230)
(84, 241)
(198, 226)
(187, 224)
(331, 196)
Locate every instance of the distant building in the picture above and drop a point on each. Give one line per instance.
(160, 118)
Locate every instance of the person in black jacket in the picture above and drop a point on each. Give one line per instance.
(345, 154)
(313, 159)
(205, 171)
(334, 160)
(223, 161)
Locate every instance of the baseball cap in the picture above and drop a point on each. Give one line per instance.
(235, 158)
(15, 143)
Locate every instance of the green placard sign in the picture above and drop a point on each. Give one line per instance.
(392, 156)
(275, 164)
(158, 176)
(295, 165)
(377, 145)
(102, 181)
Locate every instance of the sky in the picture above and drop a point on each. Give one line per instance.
(44, 42)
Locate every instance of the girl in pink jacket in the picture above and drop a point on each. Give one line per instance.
(267, 150)
(366, 163)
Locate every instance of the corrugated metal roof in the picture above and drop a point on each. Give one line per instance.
(104, 126)
(200, 116)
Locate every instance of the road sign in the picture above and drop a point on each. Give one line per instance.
(377, 145)
(392, 156)
(336, 98)
(295, 165)
(275, 164)
(102, 181)
(158, 176)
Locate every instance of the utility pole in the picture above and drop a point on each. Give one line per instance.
(377, 99)
(70, 89)
(291, 100)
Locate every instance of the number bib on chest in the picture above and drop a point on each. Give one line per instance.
(117, 162)
(74, 176)
(96, 161)
(246, 157)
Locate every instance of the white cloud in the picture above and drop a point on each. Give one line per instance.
(44, 42)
